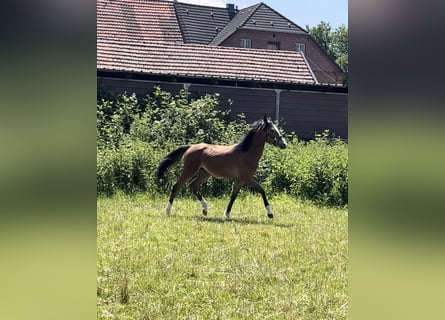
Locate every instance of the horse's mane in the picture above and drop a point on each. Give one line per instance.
(246, 140)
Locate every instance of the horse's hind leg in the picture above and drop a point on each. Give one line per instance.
(199, 178)
(176, 188)
(188, 171)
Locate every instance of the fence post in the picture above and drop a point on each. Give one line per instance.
(277, 104)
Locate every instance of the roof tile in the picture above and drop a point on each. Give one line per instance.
(153, 20)
(200, 24)
(257, 17)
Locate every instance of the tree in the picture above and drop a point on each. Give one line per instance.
(334, 43)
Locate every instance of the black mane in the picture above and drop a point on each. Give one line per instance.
(246, 140)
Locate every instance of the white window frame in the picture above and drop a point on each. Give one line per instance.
(300, 47)
(245, 43)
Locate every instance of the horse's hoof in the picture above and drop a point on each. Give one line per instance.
(168, 209)
(270, 215)
(204, 213)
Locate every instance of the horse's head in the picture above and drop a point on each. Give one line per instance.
(273, 135)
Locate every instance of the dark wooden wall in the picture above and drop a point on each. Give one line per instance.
(302, 112)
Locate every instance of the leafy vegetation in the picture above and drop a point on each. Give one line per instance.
(334, 42)
(135, 134)
(151, 266)
(316, 170)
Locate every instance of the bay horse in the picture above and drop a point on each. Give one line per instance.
(237, 162)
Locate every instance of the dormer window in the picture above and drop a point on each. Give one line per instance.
(273, 45)
(300, 47)
(245, 43)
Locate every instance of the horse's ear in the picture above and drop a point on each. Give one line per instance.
(266, 121)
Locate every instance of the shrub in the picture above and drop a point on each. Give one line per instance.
(316, 170)
(114, 119)
(181, 120)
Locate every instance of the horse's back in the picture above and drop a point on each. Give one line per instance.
(219, 161)
(212, 150)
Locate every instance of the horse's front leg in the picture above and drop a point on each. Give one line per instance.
(236, 188)
(255, 185)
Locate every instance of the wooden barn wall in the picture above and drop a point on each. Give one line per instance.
(304, 113)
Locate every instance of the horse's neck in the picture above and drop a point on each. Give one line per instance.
(257, 147)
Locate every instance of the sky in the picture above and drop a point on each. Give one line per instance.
(308, 12)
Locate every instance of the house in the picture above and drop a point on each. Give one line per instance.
(263, 62)
(257, 26)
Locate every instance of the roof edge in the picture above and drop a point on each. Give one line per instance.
(281, 15)
(258, 84)
(309, 67)
(257, 6)
(232, 22)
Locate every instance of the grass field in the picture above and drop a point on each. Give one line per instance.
(150, 266)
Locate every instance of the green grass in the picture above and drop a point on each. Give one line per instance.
(150, 266)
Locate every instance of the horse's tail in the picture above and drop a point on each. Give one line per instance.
(170, 159)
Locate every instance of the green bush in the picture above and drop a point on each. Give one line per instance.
(115, 118)
(316, 170)
(125, 168)
(183, 120)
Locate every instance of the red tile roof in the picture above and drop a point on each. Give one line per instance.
(202, 61)
(142, 20)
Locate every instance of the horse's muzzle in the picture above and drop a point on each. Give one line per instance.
(279, 142)
(282, 143)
